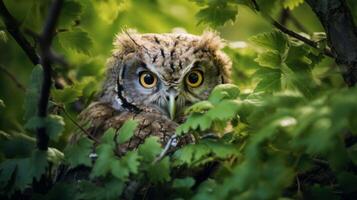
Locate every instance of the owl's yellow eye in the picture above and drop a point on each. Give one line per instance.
(147, 79)
(194, 78)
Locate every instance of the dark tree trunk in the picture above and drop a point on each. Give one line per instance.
(337, 20)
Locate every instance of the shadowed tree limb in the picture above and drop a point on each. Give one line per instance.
(12, 27)
(337, 20)
(45, 41)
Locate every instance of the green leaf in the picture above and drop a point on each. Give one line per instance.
(66, 95)
(108, 10)
(270, 80)
(26, 170)
(160, 171)
(132, 161)
(7, 168)
(183, 182)
(15, 145)
(109, 136)
(150, 149)
(199, 107)
(3, 36)
(225, 110)
(127, 131)
(2, 104)
(55, 156)
(291, 4)
(269, 59)
(273, 41)
(217, 14)
(224, 91)
(77, 40)
(70, 12)
(104, 163)
(194, 122)
(78, 154)
(126, 165)
(33, 92)
(54, 125)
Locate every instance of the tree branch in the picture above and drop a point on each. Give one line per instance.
(289, 32)
(78, 125)
(295, 35)
(337, 20)
(286, 15)
(45, 42)
(12, 27)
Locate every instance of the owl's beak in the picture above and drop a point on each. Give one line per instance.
(172, 105)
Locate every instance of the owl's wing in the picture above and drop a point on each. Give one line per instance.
(99, 117)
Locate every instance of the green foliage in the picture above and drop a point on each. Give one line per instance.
(79, 154)
(54, 125)
(285, 64)
(291, 4)
(71, 12)
(77, 40)
(22, 171)
(217, 13)
(126, 131)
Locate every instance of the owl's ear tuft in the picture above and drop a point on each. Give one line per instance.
(128, 41)
(211, 40)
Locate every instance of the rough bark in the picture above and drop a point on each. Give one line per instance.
(336, 18)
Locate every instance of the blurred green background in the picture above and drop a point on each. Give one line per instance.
(86, 31)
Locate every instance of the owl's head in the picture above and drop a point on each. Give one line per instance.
(166, 72)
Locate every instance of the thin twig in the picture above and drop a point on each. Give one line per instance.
(291, 33)
(13, 78)
(45, 42)
(286, 16)
(78, 125)
(297, 24)
(12, 26)
(295, 35)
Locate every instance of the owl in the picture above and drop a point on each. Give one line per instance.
(152, 78)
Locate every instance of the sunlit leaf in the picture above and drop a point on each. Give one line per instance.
(273, 41)
(77, 40)
(291, 4)
(66, 95)
(126, 131)
(217, 14)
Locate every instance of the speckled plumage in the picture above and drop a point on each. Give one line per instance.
(170, 57)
